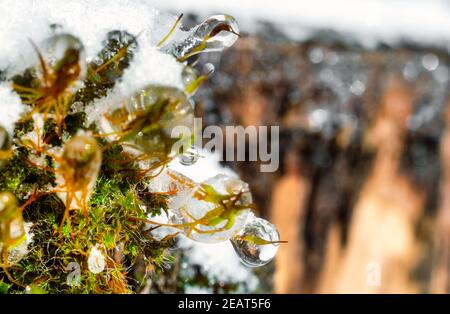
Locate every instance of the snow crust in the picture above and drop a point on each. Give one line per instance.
(11, 107)
(25, 20)
(219, 261)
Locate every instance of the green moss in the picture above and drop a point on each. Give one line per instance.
(113, 207)
(4, 287)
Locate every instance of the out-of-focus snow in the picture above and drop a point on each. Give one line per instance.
(218, 261)
(11, 108)
(369, 21)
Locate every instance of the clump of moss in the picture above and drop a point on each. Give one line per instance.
(115, 206)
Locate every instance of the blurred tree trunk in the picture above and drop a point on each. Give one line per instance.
(440, 281)
(288, 205)
(381, 235)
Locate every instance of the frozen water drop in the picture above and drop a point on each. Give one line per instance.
(188, 76)
(214, 34)
(80, 164)
(189, 157)
(316, 55)
(12, 230)
(117, 43)
(5, 145)
(257, 243)
(65, 54)
(213, 211)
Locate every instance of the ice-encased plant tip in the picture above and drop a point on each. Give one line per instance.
(87, 108)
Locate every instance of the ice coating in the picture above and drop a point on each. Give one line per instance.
(5, 146)
(252, 244)
(149, 67)
(12, 229)
(147, 119)
(189, 157)
(79, 167)
(90, 21)
(62, 50)
(193, 205)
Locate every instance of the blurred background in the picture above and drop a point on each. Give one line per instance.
(360, 90)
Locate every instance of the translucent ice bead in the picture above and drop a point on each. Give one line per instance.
(214, 34)
(12, 231)
(189, 156)
(192, 80)
(257, 243)
(79, 167)
(213, 211)
(65, 54)
(5, 146)
(82, 160)
(148, 119)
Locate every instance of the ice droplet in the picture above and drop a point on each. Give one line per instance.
(430, 62)
(189, 157)
(116, 43)
(5, 146)
(82, 159)
(188, 76)
(213, 211)
(148, 119)
(214, 34)
(65, 54)
(11, 223)
(80, 164)
(256, 244)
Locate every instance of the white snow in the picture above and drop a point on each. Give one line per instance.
(218, 261)
(149, 67)
(369, 21)
(27, 20)
(11, 108)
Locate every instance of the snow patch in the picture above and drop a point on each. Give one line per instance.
(11, 108)
(90, 21)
